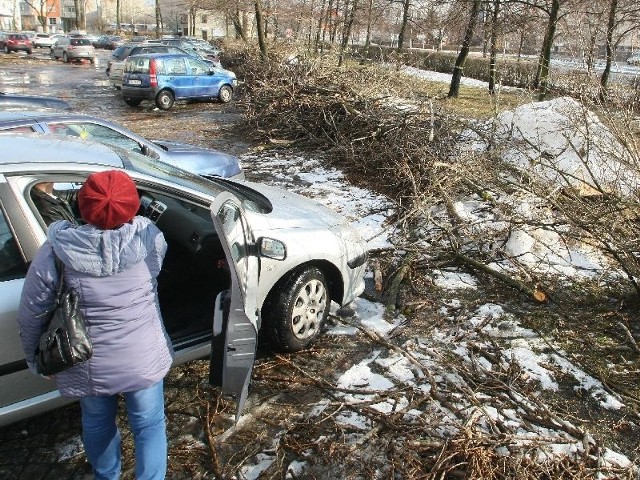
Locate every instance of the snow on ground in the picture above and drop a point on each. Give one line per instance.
(385, 374)
(576, 143)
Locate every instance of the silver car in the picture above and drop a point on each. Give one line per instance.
(203, 161)
(241, 258)
(73, 49)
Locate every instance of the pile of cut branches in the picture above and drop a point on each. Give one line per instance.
(375, 125)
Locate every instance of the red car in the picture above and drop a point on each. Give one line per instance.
(14, 42)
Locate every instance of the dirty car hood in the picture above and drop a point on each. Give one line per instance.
(199, 159)
(291, 210)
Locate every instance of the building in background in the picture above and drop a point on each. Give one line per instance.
(10, 15)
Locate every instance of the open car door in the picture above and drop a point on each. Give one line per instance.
(235, 324)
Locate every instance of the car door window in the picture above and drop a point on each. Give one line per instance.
(21, 129)
(175, 66)
(100, 133)
(12, 264)
(196, 67)
(231, 219)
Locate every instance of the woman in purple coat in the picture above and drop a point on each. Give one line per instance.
(113, 263)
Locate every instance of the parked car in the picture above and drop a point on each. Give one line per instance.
(108, 42)
(43, 40)
(73, 49)
(31, 102)
(165, 78)
(203, 50)
(115, 64)
(15, 42)
(202, 161)
(283, 258)
(92, 37)
(634, 59)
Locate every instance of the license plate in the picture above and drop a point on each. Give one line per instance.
(135, 82)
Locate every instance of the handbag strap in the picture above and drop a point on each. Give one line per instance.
(60, 269)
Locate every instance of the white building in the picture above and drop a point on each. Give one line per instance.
(10, 15)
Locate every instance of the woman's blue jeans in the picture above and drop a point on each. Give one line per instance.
(101, 436)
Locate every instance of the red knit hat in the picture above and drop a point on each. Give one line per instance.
(108, 199)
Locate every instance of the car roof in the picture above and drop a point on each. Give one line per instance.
(10, 100)
(31, 150)
(43, 116)
(163, 55)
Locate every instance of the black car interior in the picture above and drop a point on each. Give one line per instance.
(194, 270)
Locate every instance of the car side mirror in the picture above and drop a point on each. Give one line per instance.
(144, 150)
(272, 248)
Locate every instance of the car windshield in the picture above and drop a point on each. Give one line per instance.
(80, 41)
(251, 199)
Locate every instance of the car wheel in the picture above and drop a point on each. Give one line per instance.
(53, 55)
(29, 52)
(225, 94)
(6, 49)
(298, 309)
(132, 102)
(65, 57)
(164, 100)
(92, 61)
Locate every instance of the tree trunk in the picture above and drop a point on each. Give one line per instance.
(158, 19)
(611, 24)
(367, 41)
(238, 25)
(493, 41)
(321, 26)
(260, 26)
(403, 27)
(118, 15)
(346, 33)
(454, 88)
(542, 75)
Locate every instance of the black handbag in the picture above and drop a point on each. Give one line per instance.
(66, 342)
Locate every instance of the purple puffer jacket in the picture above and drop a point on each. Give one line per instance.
(115, 273)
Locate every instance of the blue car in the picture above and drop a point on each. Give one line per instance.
(165, 78)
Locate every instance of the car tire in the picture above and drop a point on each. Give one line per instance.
(29, 52)
(297, 309)
(92, 61)
(165, 100)
(52, 54)
(132, 102)
(65, 57)
(225, 94)
(6, 49)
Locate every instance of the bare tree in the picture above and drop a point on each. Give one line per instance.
(406, 4)
(623, 18)
(262, 43)
(81, 22)
(454, 87)
(158, 19)
(346, 32)
(43, 9)
(493, 44)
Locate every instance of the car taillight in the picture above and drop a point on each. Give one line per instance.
(153, 79)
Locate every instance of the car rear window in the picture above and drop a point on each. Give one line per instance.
(154, 49)
(137, 65)
(19, 37)
(80, 41)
